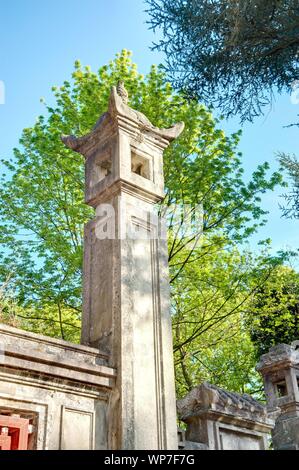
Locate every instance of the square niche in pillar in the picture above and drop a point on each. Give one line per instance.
(142, 165)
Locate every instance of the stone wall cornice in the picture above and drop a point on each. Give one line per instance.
(210, 400)
(52, 358)
(259, 423)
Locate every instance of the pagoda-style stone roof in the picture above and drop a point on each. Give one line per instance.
(119, 110)
(210, 398)
(280, 356)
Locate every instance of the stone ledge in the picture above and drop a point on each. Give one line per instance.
(16, 332)
(59, 359)
(247, 422)
(208, 398)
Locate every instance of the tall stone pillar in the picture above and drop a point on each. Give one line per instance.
(126, 285)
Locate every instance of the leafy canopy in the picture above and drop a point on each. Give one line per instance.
(231, 53)
(274, 311)
(290, 163)
(42, 212)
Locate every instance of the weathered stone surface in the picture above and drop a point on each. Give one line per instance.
(225, 420)
(63, 386)
(189, 445)
(57, 358)
(280, 371)
(126, 284)
(285, 434)
(120, 134)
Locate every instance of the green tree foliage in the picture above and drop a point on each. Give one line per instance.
(291, 165)
(42, 211)
(231, 53)
(8, 306)
(210, 305)
(274, 312)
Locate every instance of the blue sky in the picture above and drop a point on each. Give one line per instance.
(40, 40)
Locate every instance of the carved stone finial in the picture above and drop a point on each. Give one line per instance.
(122, 92)
(118, 107)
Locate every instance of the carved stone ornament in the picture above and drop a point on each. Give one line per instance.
(118, 108)
(207, 397)
(279, 354)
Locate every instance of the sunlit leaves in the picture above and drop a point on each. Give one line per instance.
(274, 312)
(42, 212)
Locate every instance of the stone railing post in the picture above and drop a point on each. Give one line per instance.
(280, 371)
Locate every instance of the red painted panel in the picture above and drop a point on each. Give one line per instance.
(5, 442)
(16, 429)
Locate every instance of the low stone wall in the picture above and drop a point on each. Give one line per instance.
(220, 420)
(62, 388)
